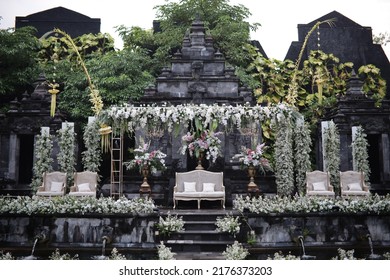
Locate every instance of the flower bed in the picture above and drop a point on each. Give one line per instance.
(75, 205)
(374, 204)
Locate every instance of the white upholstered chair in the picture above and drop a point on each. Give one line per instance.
(352, 184)
(85, 184)
(318, 184)
(53, 184)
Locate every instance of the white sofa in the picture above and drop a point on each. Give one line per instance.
(199, 185)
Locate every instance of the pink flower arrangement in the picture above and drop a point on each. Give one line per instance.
(154, 159)
(204, 141)
(254, 157)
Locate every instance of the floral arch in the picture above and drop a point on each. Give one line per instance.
(173, 119)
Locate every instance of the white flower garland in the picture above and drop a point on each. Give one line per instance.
(132, 117)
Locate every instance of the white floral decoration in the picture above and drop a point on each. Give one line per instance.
(235, 251)
(228, 224)
(169, 224)
(164, 252)
(43, 159)
(132, 117)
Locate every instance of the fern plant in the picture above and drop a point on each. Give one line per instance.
(43, 160)
(332, 154)
(360, 153)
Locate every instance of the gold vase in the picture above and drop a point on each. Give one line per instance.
(200, 158)
(145, 187)
(252, 187)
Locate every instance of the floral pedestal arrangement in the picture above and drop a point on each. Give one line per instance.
(200, 144)
(145, 187)
(200, 159)
(146, 162)
(252, 187)
(253, 159)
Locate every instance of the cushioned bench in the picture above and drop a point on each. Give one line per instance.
(199, 185)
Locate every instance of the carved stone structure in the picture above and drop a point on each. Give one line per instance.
(26, 115)
(347, 40)
(198, 75)
(351, 42)
(18, 130)
(354, 109)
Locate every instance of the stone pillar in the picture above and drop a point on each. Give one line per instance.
(13, 156)
(4, 155)
(345, 152)
(354, 129)
(177, 157)
(91, 120)
(66, 124)
(386, 157)
(45, 130)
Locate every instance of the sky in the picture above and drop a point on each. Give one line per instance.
(278, 18)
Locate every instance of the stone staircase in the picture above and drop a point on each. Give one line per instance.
(199, 240)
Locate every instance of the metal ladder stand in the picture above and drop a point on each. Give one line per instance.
(116, 165)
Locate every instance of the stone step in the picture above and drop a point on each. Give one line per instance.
(199, 256)
(201, 235)
(199, 240)
(199, 225)
(216, 246)
(191, 215)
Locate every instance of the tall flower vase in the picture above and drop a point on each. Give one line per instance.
(145, 187)
(200, 158)
(252, 187)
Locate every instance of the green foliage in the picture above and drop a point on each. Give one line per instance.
(56, 48)
(360, 153)
(120, 76)
(327, 76)
(319, 82)
(176, 17)
(43, 159)
(381, 38)
(18, 53)
(331, 140)
(274, 77)
(374, 86)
